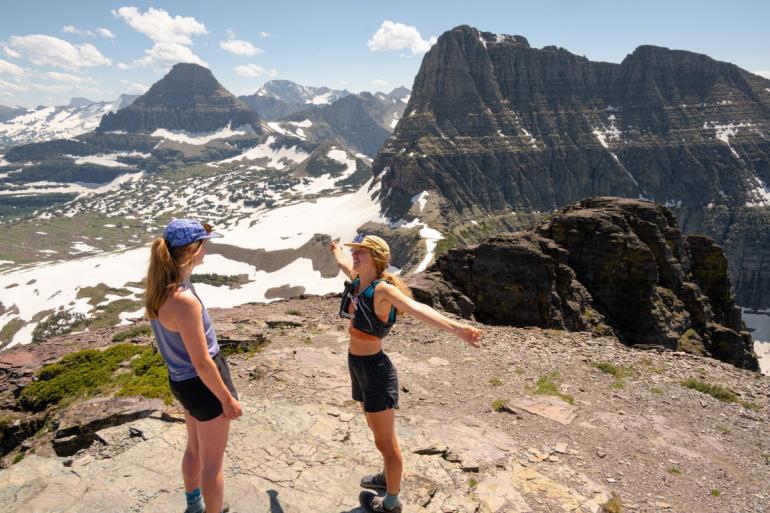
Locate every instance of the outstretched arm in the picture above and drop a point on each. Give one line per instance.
(427, 314)
(343, 261)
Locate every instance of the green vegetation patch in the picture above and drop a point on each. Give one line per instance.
(547, 384)
(150, 377)
(77, 374)
(98, 293)
(717, 392)
(133, 332)
(57, 323)
(619, 372)
(9, 330)
(233, 281)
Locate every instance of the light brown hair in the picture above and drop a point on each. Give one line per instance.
(380, 264)
(166, 271)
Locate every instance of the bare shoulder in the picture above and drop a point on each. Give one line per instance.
(183, 301)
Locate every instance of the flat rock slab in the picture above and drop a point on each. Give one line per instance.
(549, 407)
(296, 457)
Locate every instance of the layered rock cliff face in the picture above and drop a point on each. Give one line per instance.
(495, 125)
(188, 98)
(606, 265)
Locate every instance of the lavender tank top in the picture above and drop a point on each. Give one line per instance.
(172, 348)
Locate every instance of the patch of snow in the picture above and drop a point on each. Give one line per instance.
(274, 156)
(725, 132)
(302, 124)
(321, 99)
(293, 225)
(274, 126)
(760, 194)
(106, 160)
(421, 199)
(532, 140)
(82, 247)
(394, 121)
(198, 139)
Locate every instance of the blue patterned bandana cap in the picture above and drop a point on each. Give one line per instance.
(181, 232)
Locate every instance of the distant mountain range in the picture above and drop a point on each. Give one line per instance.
(19, 125)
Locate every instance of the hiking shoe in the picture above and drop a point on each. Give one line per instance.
(374, 482)
(225, 507)
(374, 504)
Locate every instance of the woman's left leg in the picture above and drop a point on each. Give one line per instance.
(383, 425)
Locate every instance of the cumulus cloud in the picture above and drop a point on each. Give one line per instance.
(250, 70)
(397, 36)
(378, 82)
(10, 86)
(159, 26)
(9, 68)
(762, 73)
(43, 50)
(264, 34)
(161, 55)
(238, 46)
(171, 36)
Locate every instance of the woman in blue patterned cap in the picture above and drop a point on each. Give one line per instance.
(198, 373)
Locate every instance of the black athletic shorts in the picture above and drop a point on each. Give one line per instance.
(197, 398)
(374, 380)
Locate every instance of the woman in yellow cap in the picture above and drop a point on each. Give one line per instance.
(372, 301)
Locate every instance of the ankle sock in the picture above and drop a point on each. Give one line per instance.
(194, 501)
(390, 501)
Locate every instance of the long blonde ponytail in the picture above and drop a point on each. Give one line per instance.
(165, 273)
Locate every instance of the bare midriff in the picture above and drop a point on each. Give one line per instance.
(362, 344)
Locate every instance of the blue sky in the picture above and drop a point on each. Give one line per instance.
(53, 50)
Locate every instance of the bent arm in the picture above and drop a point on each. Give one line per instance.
(343, 261)
(190, 326)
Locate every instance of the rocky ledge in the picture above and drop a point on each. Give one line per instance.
(535, 421)
(611, 266)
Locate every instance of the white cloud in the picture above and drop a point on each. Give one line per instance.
(161, 55)
(159, 26)
(67, 78)
(397, 36)
(71, 29)
(45, 50)
(273, 73)
(105, 33)
(10, 53)
(238, 46)
(378, 82)
(250, 70)
(264, 34)
(9, 68)
(11, 86)
(762, 73)
(123, 66)
(137, 88)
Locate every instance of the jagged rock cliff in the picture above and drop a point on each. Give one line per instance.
(494, 125)
(606, 265)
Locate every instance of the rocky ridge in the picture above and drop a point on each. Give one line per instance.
(605, 265)
(494, 125)
(476, 435)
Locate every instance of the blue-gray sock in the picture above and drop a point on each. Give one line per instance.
(194, 501)
(390, 501)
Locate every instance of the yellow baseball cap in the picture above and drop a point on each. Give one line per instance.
(373, 243)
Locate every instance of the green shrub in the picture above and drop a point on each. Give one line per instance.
(76, 374)
(150, 377)
(133, 332)
(613, 505)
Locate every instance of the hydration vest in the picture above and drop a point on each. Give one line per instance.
(364, 317)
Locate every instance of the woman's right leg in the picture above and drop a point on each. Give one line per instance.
(212, 441)
(191, 465)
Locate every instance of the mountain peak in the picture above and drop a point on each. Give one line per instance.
(488, 37)
(188, 98)
(79, 101)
